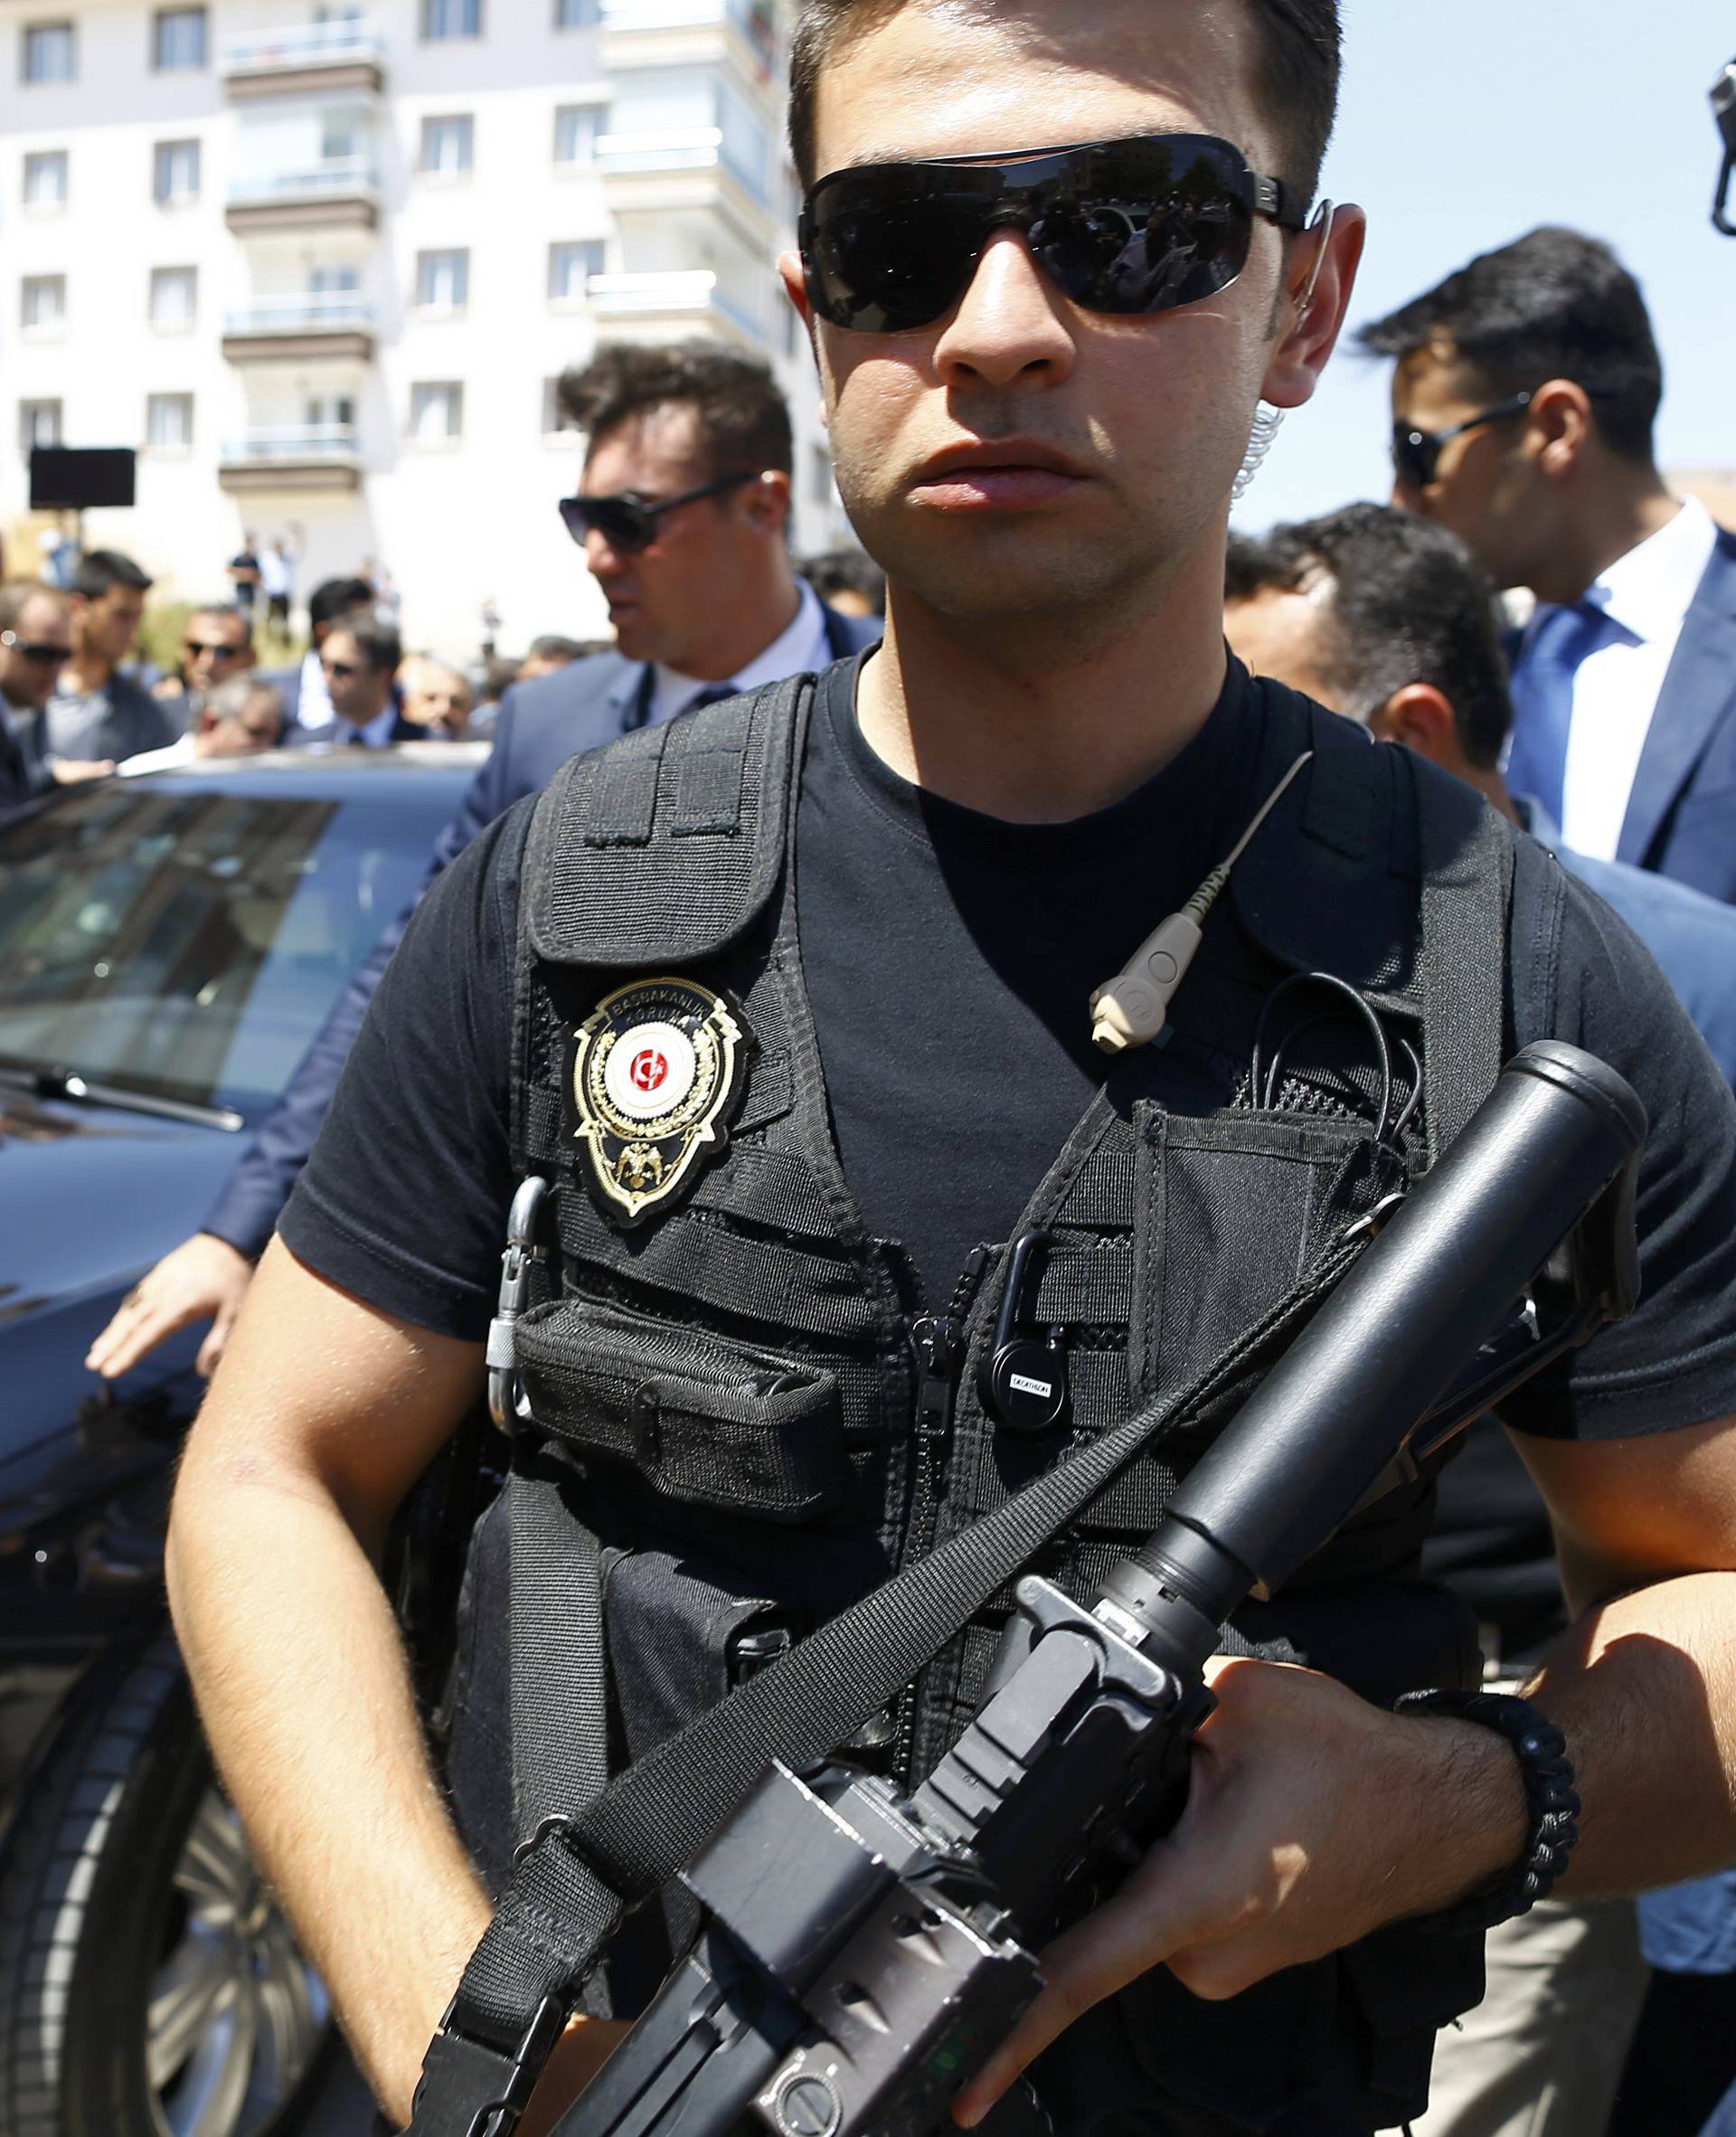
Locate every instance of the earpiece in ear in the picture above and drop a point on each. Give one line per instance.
(1267, 424)
(1321, 222)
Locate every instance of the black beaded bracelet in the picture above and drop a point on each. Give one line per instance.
(1551, 1804)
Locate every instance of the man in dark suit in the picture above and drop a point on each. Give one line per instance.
(306, 705)
(684, 516)
(1524, 394)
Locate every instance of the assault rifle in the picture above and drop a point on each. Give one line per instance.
(860, 1951)
(864, 1950)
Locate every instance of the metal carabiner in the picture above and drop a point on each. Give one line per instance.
(505, 1403)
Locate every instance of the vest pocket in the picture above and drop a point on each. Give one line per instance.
(1231, 1213)
(707, 1422)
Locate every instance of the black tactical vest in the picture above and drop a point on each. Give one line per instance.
(743, 1419)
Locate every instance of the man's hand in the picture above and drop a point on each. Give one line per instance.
(203, 1278)
(1312, 1820)
(71, 771)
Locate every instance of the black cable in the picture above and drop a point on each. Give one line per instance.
(1371, 1022)
(1415, 1099)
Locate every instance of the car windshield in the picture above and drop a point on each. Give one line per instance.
(185, 943)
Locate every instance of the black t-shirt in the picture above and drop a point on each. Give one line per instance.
(949, 958)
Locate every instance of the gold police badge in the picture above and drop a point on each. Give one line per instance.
(656, 1076)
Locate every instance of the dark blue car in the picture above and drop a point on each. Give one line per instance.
(169, 947)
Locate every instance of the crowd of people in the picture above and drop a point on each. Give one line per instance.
(77, 703)
(1533, 614)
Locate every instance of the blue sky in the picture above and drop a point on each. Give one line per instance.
(1466, 125)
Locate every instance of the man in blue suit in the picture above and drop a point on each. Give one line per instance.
(684, 518)
(1525, 395)
(1385, 617)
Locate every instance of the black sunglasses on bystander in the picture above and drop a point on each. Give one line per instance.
(32, 649)
(628, 520)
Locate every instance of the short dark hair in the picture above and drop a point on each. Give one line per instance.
(740, 405)
(1406, 603)
(498, 676)
(1553, 304)
(551, 646)
(380, 645)
(847, 571)
(334, 598)
(100, 569)
(1296, 83)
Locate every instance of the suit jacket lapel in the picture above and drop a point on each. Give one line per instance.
(629, 700)
(1699, 692)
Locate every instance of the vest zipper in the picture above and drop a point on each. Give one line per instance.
(937, 1342)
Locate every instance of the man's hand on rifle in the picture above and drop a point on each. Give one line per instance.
(1313, 1819)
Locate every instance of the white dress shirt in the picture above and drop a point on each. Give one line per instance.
(1647, 595)
(314, 701)
(795, 651)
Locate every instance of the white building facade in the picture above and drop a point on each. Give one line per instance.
(323, 268)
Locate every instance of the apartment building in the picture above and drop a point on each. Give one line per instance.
(324, 267)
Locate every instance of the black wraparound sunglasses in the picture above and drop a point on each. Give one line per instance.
(33, 649)
(630, 520)
(1141, 226)
(1416, 454)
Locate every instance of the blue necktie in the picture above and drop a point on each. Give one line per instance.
(713, 693)
(1542, 703)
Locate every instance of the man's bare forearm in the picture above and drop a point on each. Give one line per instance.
(302, 1685)
(1644, 1688)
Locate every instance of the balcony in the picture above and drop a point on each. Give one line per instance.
(303, 57)
(340, 194)
(293, 457)
(682, 302)
(662, 32)
(317, 323)
(677, 169)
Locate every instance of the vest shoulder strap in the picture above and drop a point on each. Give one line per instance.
(1399, 879)
(665, 847)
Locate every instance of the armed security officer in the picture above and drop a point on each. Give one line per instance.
(799, 1075)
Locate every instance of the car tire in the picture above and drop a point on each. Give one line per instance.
(149, 1985)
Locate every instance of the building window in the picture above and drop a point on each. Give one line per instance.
(575, 133)
(343, 138)
(451, 18)
(556, 421)
(45, 179)
(571, 266)
(331, 414)
(175, 298)
(174, 173)
(448, 145)
(442, 281)
(334, 282)
(39, 423)
(43, 310)
(576, 14)
(177, 39)
(49, 53)
(168, 421)
(437, 413)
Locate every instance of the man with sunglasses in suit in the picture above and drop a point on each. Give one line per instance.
(35, 645)
(682, 518)
(847, 998)
(1525, 390)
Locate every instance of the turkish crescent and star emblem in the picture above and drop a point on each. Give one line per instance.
(655, 1079)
